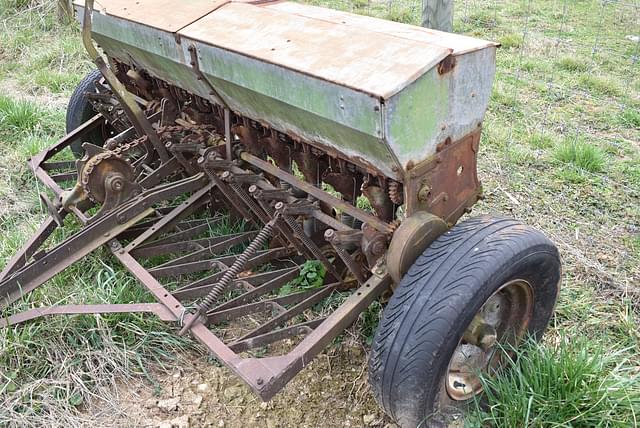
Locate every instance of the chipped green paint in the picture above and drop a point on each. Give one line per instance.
(300, 122)
(380, 133)
(321, 112)
(414, 117)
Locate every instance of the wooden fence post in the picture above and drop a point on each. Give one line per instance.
(65, 11)
(438, 14)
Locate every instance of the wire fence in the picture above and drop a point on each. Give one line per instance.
(556, 55)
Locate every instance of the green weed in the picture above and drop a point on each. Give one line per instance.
(311, 276)
(600, 85)
(572, 64)
(581, 154)
(630, 118)
(511, 41)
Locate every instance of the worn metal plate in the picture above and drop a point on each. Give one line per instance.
(162, 14)
(458, 43)
(359, 58)
(335, 80)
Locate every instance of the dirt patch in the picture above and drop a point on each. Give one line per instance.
(12, 88)
(331, 392)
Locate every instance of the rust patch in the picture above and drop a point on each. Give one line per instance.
(446, 65)
(446, 184)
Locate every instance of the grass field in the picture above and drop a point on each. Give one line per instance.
(560, 150)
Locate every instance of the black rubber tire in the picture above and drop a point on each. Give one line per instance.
(79, 110)
(437, 300)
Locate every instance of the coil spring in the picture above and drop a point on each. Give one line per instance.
(349, 263)
(236, 267)
(253, 206)
(395, 193)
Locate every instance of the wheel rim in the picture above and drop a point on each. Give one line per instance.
(502, 320)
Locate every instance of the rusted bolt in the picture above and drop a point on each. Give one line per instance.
(424, 193)
(329, 234)
(378, 248)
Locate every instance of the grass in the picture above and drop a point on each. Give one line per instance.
(18, 116)
(581, 154)
(572, 384)
(559, 150)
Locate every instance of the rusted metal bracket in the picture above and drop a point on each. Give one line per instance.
(447, 184)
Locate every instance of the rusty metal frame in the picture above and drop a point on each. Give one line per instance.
(266, 376)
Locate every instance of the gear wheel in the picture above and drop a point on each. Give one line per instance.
(99, 163)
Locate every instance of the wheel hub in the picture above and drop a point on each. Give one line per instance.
(501, 321)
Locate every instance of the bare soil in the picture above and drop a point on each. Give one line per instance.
(331, 392)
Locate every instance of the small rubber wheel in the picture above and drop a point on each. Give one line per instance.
(79, 110)
(485, 283)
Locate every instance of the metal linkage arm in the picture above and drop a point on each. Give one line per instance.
(91, 237)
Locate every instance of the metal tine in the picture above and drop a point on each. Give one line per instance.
(200, 287)
(213, 249)
(190, 225)
(317, 297)
(275, 303)
(267, 287)
(58, 165)
(168, 221)
(185, 225)
(233, 200)
(201, 265)
(66, 176)
(179, 243)
(276, 335)
(160, 212)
